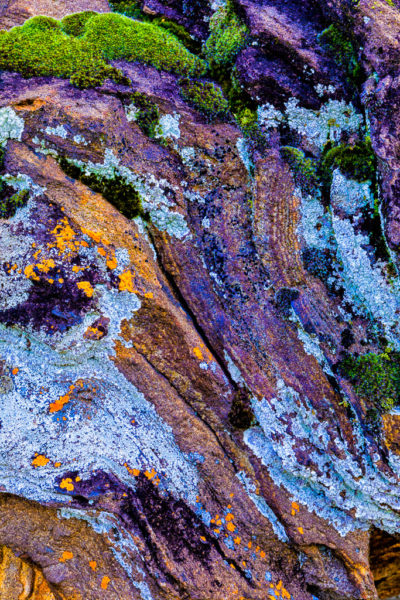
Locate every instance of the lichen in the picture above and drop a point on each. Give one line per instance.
(144, 112)
(304, 169)
(11, 125)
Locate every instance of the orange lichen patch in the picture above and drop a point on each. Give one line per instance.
(126, 282)
(203, 539)
(148, 295)
(76, 269)
(57, 464)
(30, 273)
(86, 287)
(40, 460)
(59, 404)
(198, 353)
(150, 474)
(230, 527)
(229, 517)
(15, 370)
(262, 554)
(46, 265)
(78, 478)
(112, 263)
(300, 530)
(101, 251)
(295, 508)
(134, 472)
(93, 235)
(66, 556)
(93, 565)
(104, 582)
(64, 236)
(237, 540)
(93, 333)
(249, 545)
(67, 484)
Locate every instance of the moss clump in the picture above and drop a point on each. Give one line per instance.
(75, 24)
(147, 115)
(304, 169)
(341, 47)
(10, 203)
(179, 32)
(120, 194)
(33, 50)
(228, 35)
(205, 96)
(42, 23)
(376, 378)
(118, 37)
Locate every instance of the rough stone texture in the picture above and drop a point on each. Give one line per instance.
(173, 424)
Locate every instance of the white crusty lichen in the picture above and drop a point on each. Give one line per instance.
(11, 125)
(22, 183)
(349, 195)
(168, 127)
(351, 492)
(131, 112)
(58, 131)
(325, 124)
(152, 191)
(269, 116)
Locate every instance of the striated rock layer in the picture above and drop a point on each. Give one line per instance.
(175, 418)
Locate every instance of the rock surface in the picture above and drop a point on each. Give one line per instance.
(174, 420)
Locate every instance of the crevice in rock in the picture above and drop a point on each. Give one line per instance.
(384, 561)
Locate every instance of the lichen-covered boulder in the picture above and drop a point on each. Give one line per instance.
(199, 301)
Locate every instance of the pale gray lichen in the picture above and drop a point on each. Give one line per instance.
(11, 125)
(168, 127)
(324, 90)
(323, 125)
(349, 195)
(58, 131)
(269, 116)
(245, 155)
(131, 112)
(315, 225)
(347, 488)
(23, 182)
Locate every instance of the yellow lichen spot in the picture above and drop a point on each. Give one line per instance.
(233, 566)
(64, 235)
(93, 565)
(237, 540)
(66, 556)
(262, 554)
(46, 265)
(111, 263)
(134, 472)
(15, 370)
(30, 273)
(301, 530)
(231, 527)
(67, 484)
(86, 287)
(249, 545)
(285, 594)
(216, 530)
(203, 539)
(150, 474)
(78, 478)
(57, 464)
(126, 282)
(61, 280)
(59, 404)
(149, 295)
(40, 460)
(50, 281)
(198, 353)
(93, 235)
(104, 582)
(77, 268)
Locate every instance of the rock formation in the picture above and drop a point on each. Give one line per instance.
(200, 300)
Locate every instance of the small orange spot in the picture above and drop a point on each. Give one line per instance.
(301, 530)
(126, 282)
(57, 464)
(93, 565)
(249, 545)
(231, 495)
(233, 566)
(67, 484)
(111, 263)
(148, 295)
(150, 474)
(229, 517)
(40, 461)
(198, 353)
(262, 554)
(134, 472)
(203, 539)
(15, 371)
(77, 478)
(66, 556)
(237, 540)
(216, 530)
(231, 527)
(104, 582)
(101, 251)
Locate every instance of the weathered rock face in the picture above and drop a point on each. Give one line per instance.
(175, 418)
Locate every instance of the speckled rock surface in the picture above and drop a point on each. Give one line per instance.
(174, 421)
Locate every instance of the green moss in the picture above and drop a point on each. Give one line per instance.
(304, 169)
(342, 48)
(34, 51)
(130, 8)
(119, 37)
(42, 47)
(228, 35)
(120, 194)
(10, 203)
(148, 114)
(376, 378)
(356, 162)
(205, 96)
(75, 24)
(179, 32)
